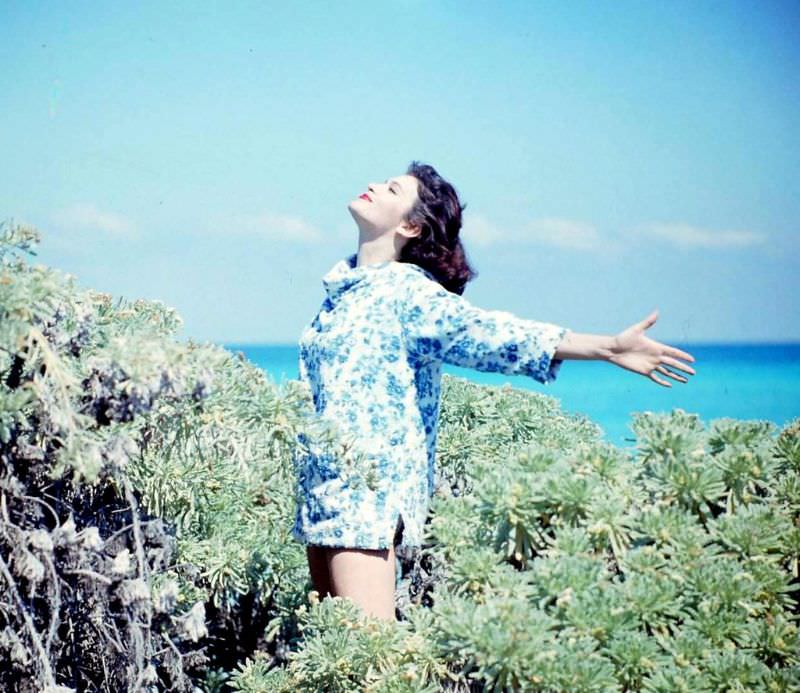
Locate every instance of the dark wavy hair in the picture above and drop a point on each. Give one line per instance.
(437, 249)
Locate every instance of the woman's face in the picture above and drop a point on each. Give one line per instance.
(382, 207)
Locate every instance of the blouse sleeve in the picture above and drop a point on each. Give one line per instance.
(439, 324)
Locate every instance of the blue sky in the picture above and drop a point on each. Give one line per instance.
(614, 157)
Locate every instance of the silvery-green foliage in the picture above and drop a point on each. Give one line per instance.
(627, 550)
(80, 562)
(342, 650)
(584, 567)
(482, 423)
(99, 395)
(158, 477)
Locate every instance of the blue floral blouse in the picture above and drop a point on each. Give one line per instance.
(372, 358)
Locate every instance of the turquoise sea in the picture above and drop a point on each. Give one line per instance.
(741, 381)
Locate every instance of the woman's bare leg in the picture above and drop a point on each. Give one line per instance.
(365, 576)
(318, 567)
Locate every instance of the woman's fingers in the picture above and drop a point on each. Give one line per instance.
(658, 380)
(666, 371)
(677, 353)
(677, 364)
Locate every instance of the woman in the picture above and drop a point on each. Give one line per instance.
(372, 357)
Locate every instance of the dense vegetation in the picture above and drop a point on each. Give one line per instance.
(147, 496)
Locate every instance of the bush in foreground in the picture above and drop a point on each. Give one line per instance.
(148, 495)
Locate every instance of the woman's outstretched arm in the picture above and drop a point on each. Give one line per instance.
(438, 324)
(587, 347)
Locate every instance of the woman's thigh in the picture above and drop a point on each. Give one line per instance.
(365, 576)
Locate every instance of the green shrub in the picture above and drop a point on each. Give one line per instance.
(145, 490)
(148, 496)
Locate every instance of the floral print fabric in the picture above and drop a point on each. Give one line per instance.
(372, 358)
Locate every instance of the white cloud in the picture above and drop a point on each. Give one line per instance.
(686, 236)
(562, 233)
(86, 217)
(581, 236)
(478, 230)
(282, 227)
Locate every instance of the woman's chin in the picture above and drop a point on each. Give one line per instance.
(353, 208)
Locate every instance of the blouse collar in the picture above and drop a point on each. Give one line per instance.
(344, 274)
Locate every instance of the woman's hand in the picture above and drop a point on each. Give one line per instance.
(635, 352)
